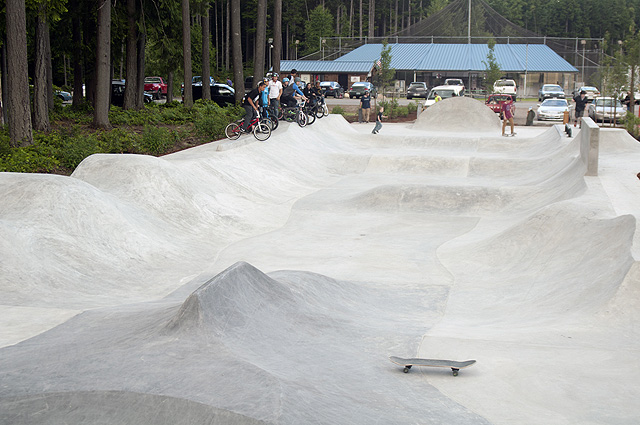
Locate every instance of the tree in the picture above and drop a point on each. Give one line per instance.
(186, 51)
(40, 83)
(20, 131)
(492, 69)
(236, 46)
(385, 72)
(103, 66)
(261, 40)
(206, 62)
(131, 86)
(319, 25)
(277, 34)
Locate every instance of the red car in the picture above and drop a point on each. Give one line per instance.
(155, 86)
(495, 101)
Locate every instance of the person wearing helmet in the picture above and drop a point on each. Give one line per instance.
(290, 92)
(275, 91)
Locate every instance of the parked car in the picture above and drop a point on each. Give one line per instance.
(332, 88)
(495, 101)
(550, 90)
(453, 82)
(64, 96)
(222, 94)
(197, 81)
(591, 92)
(155, 86)
(357, 89)
(552, 109)
(117, 93)
(506, 86)
(444, 92)
(606, 109)
(416, 89)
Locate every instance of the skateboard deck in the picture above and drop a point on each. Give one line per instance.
(454, 365)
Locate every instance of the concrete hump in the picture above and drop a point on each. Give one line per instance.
(230, 301)
(458, 114)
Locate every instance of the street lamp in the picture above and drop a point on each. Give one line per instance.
(583, 42)
(270, 47)
(297, 42)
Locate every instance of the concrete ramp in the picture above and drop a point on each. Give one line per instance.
(268, 282)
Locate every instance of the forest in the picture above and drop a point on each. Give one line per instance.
(75, 44)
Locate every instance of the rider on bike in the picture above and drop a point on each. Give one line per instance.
(290, 93)
(250, 104)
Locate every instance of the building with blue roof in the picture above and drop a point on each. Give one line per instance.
(528, 64)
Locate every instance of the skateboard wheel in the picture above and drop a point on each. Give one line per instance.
(406, 370)
(455, 372)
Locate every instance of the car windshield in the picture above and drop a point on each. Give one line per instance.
(416, 85)
(360, 85)
(554, 102)
(443, 94)
(496, 99)
(608, 103)
(504, 83)
(325, 84)
(589, 89)
(152, 80)
(552, 88)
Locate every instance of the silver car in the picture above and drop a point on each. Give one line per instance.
(550, 90)
(553, 109)
(606, 109)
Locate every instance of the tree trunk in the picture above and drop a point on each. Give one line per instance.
(142, 42)
(260, 42)
(170, 87)
(103, 66)
(351, 31)
(277, 35)
(372, 12)
(632, 91)
(20, 131)
(236, 45)
(361, 19)
(76, 30)
(131, 86)
(3, 84)
(227, 50)
(48, 65)
(40, 86)
(206, 61)
(186, 49)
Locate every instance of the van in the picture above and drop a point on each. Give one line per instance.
(505, 86)
(444, 92)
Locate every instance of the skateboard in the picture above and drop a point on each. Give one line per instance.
(567, 129)
(509, 135)
(408, 363)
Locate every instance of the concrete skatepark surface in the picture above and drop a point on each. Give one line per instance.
(268, 282)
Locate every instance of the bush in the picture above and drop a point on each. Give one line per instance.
(338, 110)
(156, 140)
(631, 124)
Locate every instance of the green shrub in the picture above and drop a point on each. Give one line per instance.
(338, 110)
(156, 140)
(412, 107)
(30, 159)
(631, 123)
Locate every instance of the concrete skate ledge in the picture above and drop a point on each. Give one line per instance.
(590, 145)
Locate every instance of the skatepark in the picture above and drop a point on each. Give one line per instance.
(268, 282)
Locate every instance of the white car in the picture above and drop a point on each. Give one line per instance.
(444, 92)
(506, 86)
(606, 109)
(552, 109)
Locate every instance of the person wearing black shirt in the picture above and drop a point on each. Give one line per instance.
(251, 103)
(581, 103)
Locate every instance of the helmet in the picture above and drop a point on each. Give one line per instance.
(298, 79)
(285, 80)
(275, 74)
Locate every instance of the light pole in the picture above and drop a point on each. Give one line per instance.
(270, 47)
(324, 41)
(583, 42)
(297, 42)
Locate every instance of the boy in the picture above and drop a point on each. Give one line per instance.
(507, 116)
(378, 126)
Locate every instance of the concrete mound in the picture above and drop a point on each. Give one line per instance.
(458, 114)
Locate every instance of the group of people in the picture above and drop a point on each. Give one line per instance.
(275, 93)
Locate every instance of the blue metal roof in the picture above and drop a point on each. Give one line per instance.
(463, 57)
(344, 66)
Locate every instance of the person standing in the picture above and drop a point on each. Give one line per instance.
(438, 98)
(507, 116)
(275, 91)
(365, 104)
(250, 104)
(379, 117)
(581, 103)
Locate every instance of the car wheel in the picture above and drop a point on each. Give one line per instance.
(409, 97)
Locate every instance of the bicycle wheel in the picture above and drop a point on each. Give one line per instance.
(273, 122)
(289, 115)
(319, 111)
(233, 131)
(302, 119)
(311, 116)
(261, 131)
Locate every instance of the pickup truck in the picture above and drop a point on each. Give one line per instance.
(156, 86)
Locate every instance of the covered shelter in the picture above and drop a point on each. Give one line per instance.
(345, 72)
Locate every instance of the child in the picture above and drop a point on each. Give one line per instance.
(507, 116)
(379, 121)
